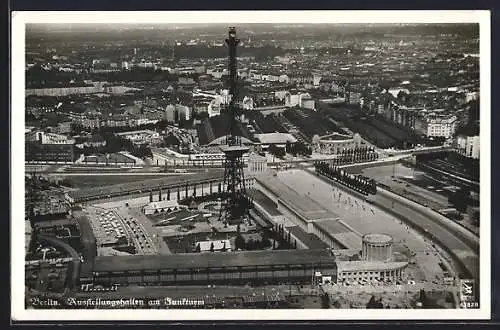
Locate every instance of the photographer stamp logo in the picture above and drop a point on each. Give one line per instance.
(468, 296)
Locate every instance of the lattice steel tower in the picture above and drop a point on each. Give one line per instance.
(235, 204)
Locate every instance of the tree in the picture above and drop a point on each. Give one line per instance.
(176, 116)
(325, 301)
(373, 303)
(278, 152)
(460, 199)
(475, 217)
(239, 242)
(122, 240)
(171, 140)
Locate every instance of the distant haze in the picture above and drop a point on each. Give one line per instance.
(133, 31)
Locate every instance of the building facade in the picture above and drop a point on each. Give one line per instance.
(359, 271)
(256, 164)
(436, 125)
(376, 247)
(334, 144)
(468, 146)
(49, 147)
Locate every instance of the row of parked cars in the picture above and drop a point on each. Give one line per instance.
(139, 234)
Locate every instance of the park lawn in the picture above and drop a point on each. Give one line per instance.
(104, 180)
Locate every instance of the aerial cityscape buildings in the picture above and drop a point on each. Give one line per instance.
(299, 166)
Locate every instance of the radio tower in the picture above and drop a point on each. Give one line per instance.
(235, 204)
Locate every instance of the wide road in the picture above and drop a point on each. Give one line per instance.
(74, 276)
(440, 233)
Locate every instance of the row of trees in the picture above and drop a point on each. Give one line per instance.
(116, 144)
(362, 185)
(285, 238)
(356, 155)
(280, 240)
(206, 194)
(252, 244)
(461, 200)
(277, 151)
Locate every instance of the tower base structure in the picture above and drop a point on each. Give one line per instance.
(235, 204)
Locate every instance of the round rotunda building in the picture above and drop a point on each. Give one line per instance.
(377, 247)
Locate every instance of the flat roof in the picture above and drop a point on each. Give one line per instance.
(212, 259)
(377, 238)
(241, 149)
(300, 203)
(332, 226)
(264, 201)
(340, 233)
(310, 240)
(361, 265)
(350, 240)
(136, 132)
(275, 138)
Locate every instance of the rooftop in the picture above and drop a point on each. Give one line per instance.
(240, 149)
(275, 138)
(341, 233)
(264, 201)
(215, 260)
(361, 265)
(377, 238)
(300, 203)
(311, 240)
(144, 131)
(335, 137)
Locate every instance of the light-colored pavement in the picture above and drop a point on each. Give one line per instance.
(386, 289)
(365, 218)
(140, 229)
